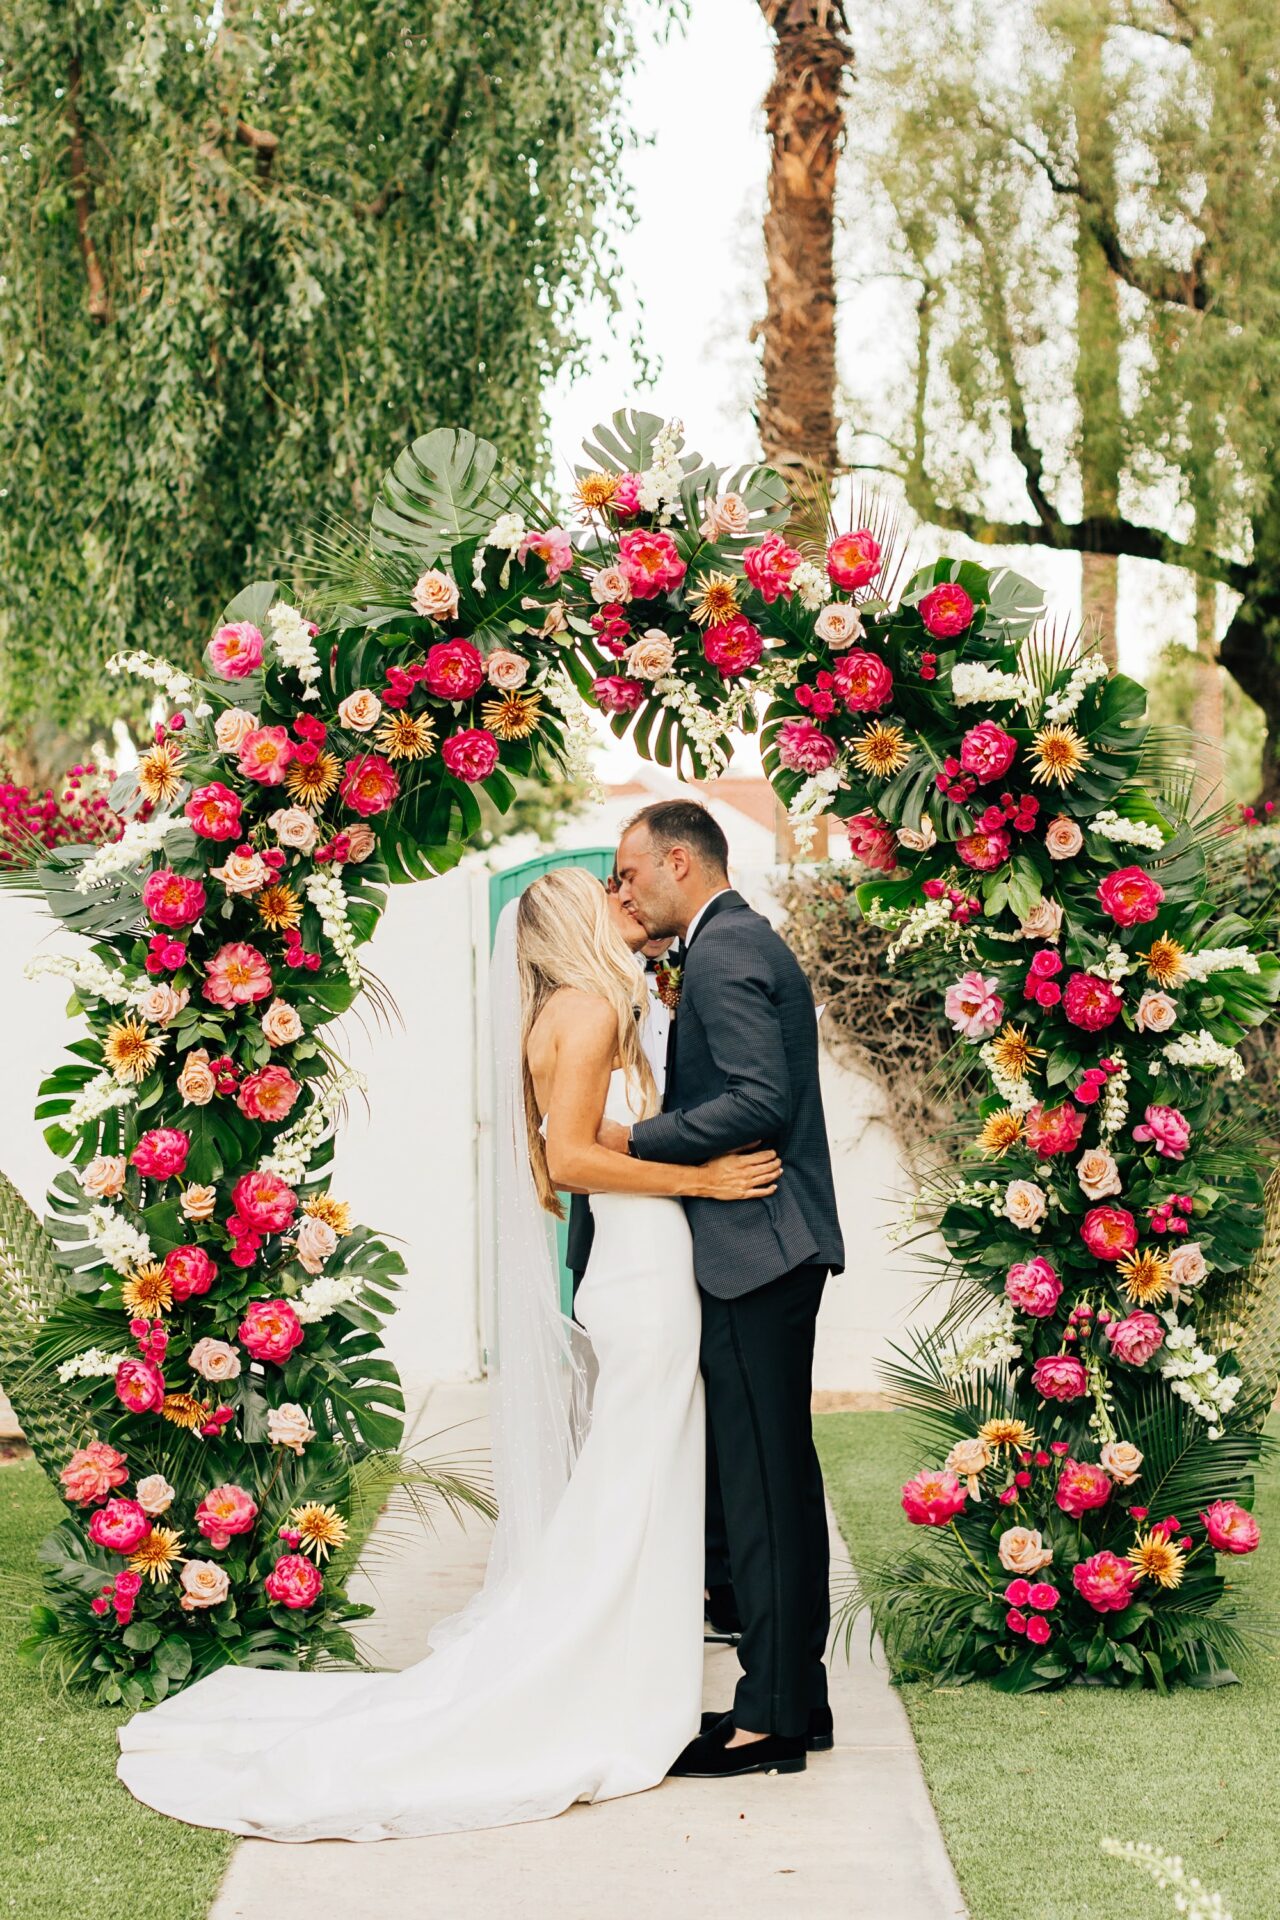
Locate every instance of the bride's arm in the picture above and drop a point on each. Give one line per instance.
(585, 1037)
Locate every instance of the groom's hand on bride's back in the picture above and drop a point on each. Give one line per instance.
(749, 1173)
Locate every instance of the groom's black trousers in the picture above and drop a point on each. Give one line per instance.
(757, 1358)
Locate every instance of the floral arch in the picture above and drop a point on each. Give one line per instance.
(200, 1314)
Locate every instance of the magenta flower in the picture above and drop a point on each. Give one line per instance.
(1082, 1486)
(235, 651)
(1231, 1528)
(946, 610)
(933, 1499)
(1167, 1129)
(973, 1006)
(1059, 1376)
(853, 559)
(1131, 896)
(863, 681)
(987, 751)
(1034, 1287)
(1105, 1581)
(804, 748)
(1091, 1002)
(1135, 1338)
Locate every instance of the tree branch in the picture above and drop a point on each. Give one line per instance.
(1098, 533)
(382, 202)
(82, 199)
(262, 143)
(1025, 450)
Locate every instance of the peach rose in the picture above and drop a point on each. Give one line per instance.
(360, 710)
(1187, 1267)
(231, 727)
(204, 1584)
(199, 1202)
(1022, 1550)
(651, 656)
(1024, 1204)
(316, 1241)
(104, 1177)
(1098, 1173)
(968, 1458)
(154, 1494)
(1062, 838)
(506, 670)
(727, 519)
(1044, 922)
(196, 1082)
(435, 596)
(839, 625)
(918, 839)
(361, 841)
(1156, 1012)
(610, 587)
(162, 1003)
(281, 1024)
(294, 827)
(1121, 1459)
(556, 621)
(288, 1426)
(214, 1360)
(243, 873)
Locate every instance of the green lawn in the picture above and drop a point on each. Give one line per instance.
(1026, 1787)
(75, 1845)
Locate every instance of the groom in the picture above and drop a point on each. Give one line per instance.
(742, 1068)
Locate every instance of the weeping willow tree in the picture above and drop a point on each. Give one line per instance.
(248, 250)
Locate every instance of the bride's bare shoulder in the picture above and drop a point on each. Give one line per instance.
(573, 1017)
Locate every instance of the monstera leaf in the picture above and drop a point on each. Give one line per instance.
(447, 487)
(31, 1286)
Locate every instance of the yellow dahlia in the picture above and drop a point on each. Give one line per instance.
(1000, 1131)
(156, 1557)
(147, 1291)
(1007, 1433)
(184, 1410)
(882, 750)
(715, 600)
(406, 736)
(130, 1050)
(1059, 754)
(1146, 1275)
(322, 1528)
(1013, 1052)
(595, 490)
(160, 773)
(1156, 1558)
(310, 782)
(514, 717)
(334, 1213)
(279, 907)
(1164, 961)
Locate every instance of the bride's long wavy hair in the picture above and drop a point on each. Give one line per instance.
(566, 938)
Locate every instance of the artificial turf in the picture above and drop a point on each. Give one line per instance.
(1026, 1786)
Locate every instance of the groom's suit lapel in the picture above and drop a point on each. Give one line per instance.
(722, 903)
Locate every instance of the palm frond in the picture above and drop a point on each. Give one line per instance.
(31, 1286)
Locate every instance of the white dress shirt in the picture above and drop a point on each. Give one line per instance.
(689, 930)
(654, 1030)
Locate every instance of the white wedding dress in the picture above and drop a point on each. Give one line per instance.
(580, 1675)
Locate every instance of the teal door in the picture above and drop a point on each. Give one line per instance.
(507, 886)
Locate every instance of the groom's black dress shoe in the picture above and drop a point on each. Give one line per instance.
(710, 1757)
(723, 1622)
(820, 1736)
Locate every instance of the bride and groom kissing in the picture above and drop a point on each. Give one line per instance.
(705, 1229)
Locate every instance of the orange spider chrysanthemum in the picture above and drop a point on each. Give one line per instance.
(1007, 1433)
(1156, 1558)
(514, 717)
(310, 782)
(322, 1528)
(1059, 753)
(1146, 1275)
(595, 490)
(160, 773)
(1013, 1052)
(334, 1213)
(715, 600)
(279, 907)
(148, 1291)
(1164, 961)
(157, 1556)
(130, 1049)
(1000, 1131)
(882, 750)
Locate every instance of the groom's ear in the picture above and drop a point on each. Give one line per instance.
(680, 862)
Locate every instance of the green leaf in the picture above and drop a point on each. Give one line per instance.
(173, 1657)
(141, 1636)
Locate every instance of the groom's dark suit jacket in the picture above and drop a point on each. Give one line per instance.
(743, 1066)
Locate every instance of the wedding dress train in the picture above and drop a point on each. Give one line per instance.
(581, 1676)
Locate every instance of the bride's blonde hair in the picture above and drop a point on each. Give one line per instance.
(566, 938)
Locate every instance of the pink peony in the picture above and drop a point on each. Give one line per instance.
(946, 610)
(733, 646)
(615, 693)
(270, 1330)
(1034, 1287)
(471, 754)
(625, 503)
(1109, 1232)
(554, 548)
(1059, 1376)
(987, 751)
(863, 681)
(265, 753)
(264, 1202)
(651, 563)
(982, 850)
(1135, 1338)
(872, 842)
(1130, 896)
(853, 559)
(120, 1526)
(294, 1581)
(225, 1511)
(1081, 1487)
(454, 670)
(1168, 1131)
(140, 1386)
(236, 976)
(235, 651)
(932, 1499)
(1105, 1581)
(91, 1472)
(1091, 1002)
(973, 1006)
(769, 566)
(171, 900)
(369, 784)
(1230, 1527)
(161, 1153)
(268, 1094)
(1052, 1130)
(190, 1272)
(804, 748)
(213, 812)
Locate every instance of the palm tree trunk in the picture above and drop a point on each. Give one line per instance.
(1206, 702)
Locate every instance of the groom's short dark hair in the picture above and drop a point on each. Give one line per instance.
(683, 823)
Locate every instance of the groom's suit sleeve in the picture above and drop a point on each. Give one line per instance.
(734, 1003)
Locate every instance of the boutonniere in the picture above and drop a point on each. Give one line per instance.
(667, 981)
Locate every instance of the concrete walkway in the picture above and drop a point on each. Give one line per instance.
(853, 1838)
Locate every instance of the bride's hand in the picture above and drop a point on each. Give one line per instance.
(740, 1176)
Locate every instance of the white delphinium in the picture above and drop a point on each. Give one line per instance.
(95, 1098)
(1116, 965)
(814, 799)
(658, 490)
(323, 889)
(506, 534)
(121, 1244)
(171, 680)
(86, 975)
(291, 1153)
(295, 648)
(1017, 1095)
(1126, 833)
(93, 1364)
(140, 839)
(324, 1296)
(1190, 1899)
(1061, 706)
(702, 725)
(811, 586)
(972, 680)
(1198, 966)
(918, 926)
(1114, 1104)
(1193, 1374)
(1207, 1055)
(991, 1344)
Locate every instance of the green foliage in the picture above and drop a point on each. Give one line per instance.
(31, 1286)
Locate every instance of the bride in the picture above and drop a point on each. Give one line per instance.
(576, 1673)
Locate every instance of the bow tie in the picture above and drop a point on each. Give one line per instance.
(665, 962)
